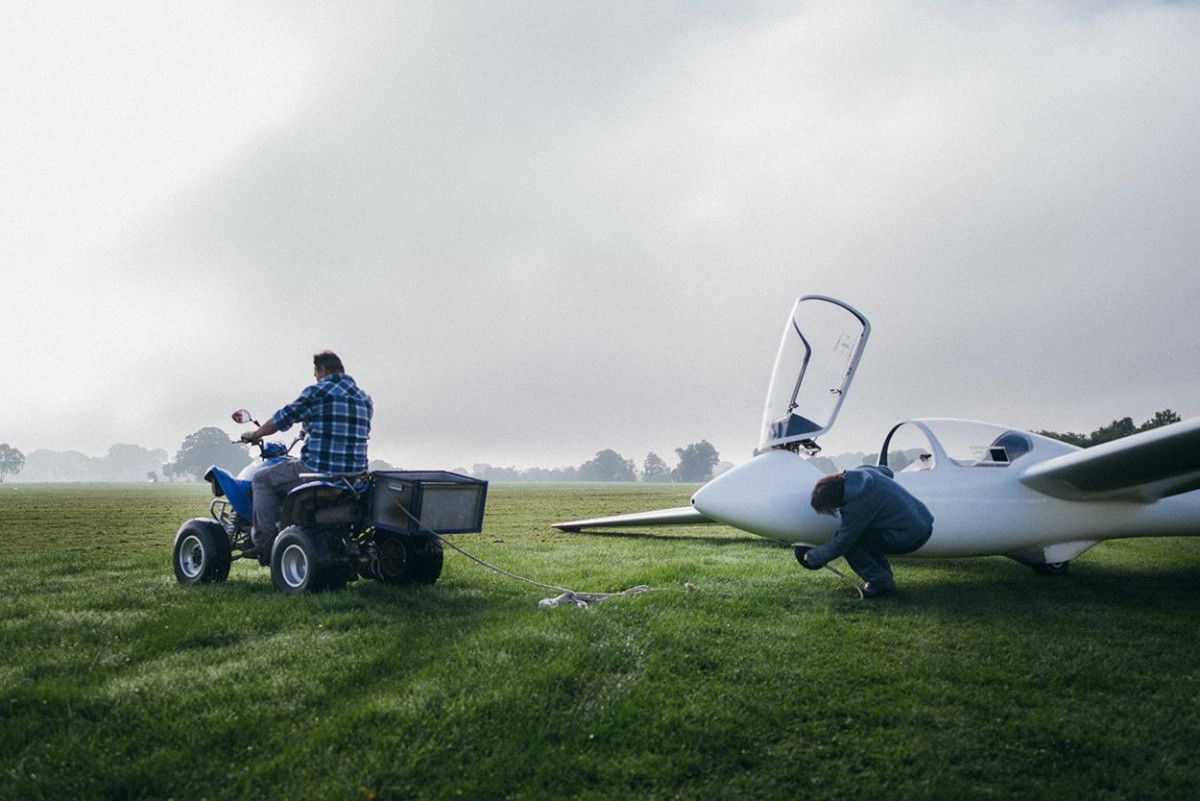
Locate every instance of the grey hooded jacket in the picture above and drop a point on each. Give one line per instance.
(875, 503)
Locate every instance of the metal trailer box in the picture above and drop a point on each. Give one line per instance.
(427, 501)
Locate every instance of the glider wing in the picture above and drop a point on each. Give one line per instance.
(1143, 467)
(679, 516)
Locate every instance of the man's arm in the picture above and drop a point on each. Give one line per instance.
(852, 527)
(288, 415)
(265, 430)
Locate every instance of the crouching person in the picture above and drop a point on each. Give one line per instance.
(878, 517)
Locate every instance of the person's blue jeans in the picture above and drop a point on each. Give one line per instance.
(868, 558)
(268, 488)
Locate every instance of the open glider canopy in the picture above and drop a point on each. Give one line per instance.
(822, 343)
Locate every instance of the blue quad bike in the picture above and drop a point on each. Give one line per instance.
(333, 529)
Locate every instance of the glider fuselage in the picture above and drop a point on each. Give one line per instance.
(978, 509)
(992, 490)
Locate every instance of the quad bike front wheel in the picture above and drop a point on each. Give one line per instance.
(302, 562)
(201, 554)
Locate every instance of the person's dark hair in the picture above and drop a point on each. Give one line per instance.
(829, 493)
(328, 361)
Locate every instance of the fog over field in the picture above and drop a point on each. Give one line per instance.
(535, 230)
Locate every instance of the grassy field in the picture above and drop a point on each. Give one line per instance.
(766, 681)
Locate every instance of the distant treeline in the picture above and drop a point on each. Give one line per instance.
(695, 463)
(122, 463)
(1114, 430)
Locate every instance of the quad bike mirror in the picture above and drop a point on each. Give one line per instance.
(243, 416)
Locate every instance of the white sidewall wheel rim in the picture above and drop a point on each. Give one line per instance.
(294, 566)
(191, 556)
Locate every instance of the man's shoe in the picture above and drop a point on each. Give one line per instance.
(253, 552)
(876, 590)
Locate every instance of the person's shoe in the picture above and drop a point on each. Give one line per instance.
(874, 589)
(253, 552)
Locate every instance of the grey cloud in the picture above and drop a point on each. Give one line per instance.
(545, 229)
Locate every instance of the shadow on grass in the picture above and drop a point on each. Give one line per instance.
(404, 627)
(999, 570)
(993, 591)
(355, 595)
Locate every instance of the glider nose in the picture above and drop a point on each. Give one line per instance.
(768, 496)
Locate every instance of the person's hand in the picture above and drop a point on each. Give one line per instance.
(801, 552)
(250, 438)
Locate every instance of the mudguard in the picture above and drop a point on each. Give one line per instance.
(301, 504)
(237, 490)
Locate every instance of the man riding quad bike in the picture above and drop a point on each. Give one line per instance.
(335, 521)
(333, 528)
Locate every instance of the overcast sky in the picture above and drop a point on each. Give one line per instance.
(535, 230)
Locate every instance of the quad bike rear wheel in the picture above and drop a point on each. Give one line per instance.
(302, 561)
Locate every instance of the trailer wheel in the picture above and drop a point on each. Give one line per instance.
(201, 554)
(407, 559)
(302, 562)
(426, 559)
(1051, 568)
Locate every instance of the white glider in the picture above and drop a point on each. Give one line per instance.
(993, 490)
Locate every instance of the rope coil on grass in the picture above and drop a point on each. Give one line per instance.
(580, 599)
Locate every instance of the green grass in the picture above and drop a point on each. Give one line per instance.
(981, 680)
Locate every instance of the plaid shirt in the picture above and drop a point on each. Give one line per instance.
(338, 416)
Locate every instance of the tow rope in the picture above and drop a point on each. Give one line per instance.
(846, 579)
(586, 599)
(581, 599)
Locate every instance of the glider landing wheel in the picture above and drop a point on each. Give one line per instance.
(1051, 568)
